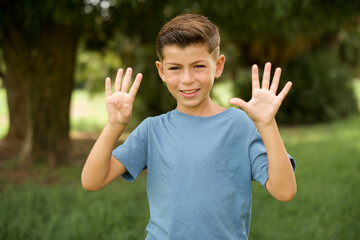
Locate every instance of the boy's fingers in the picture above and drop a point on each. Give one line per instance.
(126, 81)
(108, 87)
(118, 80)
(266, 76)
(276, 80)
(285, 91)
(255, 77)
(136, 85)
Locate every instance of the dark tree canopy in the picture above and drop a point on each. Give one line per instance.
(40, 39)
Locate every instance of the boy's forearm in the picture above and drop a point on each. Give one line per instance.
(281, 183)
(97, 164)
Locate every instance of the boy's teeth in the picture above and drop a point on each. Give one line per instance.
(191, 91)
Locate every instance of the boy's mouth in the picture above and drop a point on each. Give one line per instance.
(190, 92)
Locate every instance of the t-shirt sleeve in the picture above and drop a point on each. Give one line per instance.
(259, 160)
(133, 152)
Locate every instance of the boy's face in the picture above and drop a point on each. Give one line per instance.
(189, 74)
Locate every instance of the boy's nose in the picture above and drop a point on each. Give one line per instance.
(187, 77)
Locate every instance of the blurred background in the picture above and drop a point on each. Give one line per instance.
(55, 55)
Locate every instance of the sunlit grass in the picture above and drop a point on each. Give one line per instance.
(3, 113)
(222, 92)
(88, 112)
(357, 89)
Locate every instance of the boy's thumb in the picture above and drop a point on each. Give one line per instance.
(238, 102)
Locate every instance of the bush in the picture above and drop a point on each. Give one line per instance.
(322, 89)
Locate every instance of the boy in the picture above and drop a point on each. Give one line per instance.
(200, 158)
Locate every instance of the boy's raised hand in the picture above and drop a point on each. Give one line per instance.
(264, 103)
(120, 103)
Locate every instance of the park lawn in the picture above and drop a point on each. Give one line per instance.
(66, 211)
(54, 206)
(88, 111)
(3, 113)
(326, 204)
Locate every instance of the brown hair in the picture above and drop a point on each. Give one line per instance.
(188, 29)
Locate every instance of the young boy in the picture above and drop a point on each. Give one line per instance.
(200, 158)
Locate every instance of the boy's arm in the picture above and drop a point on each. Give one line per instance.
(262, 109)
(101, 167)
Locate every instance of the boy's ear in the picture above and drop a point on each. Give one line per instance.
(160, 69)
(220, 62)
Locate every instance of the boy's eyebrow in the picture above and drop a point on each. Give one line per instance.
(195, 62)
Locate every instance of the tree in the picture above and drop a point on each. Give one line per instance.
(40, 40)
(39, 45)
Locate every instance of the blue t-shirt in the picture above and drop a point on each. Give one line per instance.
(199, 172)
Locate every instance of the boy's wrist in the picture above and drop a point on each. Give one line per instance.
(263, 126)
(116, 127)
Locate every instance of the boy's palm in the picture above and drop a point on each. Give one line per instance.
(119, 104)
(264, 103)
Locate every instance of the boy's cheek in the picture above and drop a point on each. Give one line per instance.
(172, 75)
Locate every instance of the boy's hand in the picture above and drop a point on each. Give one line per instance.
(264, 103)
(120, 103)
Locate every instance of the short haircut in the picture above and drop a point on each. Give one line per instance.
(188, 29)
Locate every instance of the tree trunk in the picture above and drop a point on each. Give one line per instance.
(47, 78)
(17, 82)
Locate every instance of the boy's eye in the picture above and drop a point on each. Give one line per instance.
(174, 68)
(199, 66)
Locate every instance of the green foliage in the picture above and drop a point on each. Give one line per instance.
(293, 35)
(349, 47)
(280, 18)
(34, 16)
(323, 89)
(93, 67)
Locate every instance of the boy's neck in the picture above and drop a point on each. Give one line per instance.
(208, 110)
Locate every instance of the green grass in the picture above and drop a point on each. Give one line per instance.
(66, 211)
(3, 113)
(326, 205)
(88, 112)
(357, 89)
